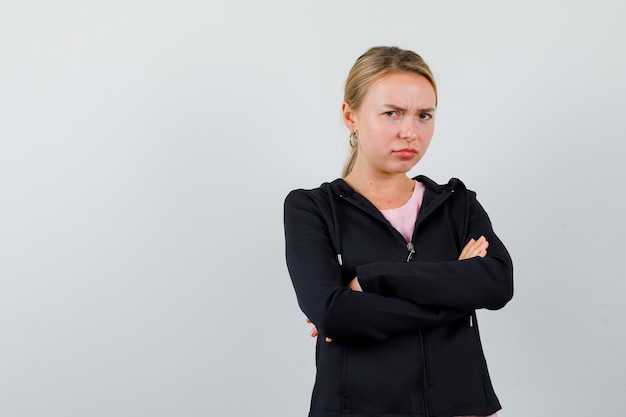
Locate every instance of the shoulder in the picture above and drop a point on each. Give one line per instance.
(311, 209)
(319, 197)
(300, 194)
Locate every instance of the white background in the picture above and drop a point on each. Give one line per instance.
(146, 148)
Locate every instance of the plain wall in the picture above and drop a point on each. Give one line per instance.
(146, 148)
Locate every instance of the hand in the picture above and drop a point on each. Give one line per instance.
(354, 285)
(475, 248)
(315, 333)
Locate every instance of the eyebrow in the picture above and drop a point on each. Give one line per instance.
(398, 108)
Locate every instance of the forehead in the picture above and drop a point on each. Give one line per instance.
(407, 87)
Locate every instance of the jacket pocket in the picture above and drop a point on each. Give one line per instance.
(457, 374)
(384, 377)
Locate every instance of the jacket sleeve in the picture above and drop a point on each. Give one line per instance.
(339, 312)
(466, 285)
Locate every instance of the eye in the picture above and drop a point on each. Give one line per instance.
(391, 113)
(426, 116)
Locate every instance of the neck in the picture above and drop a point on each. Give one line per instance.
(379, 185)
(378, 182)
(384, 192)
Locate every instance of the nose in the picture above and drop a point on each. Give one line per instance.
(409, 130)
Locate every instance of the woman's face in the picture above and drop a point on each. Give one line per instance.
(395, 122)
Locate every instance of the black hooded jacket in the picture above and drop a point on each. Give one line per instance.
(408, 345)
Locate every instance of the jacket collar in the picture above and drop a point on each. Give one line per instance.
(434, 195)
(341, 187)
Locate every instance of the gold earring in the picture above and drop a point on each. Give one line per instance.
(354, 139)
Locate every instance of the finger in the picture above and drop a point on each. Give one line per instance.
(328, 340)
(471, 249)
(466, 250)
(355, 285)
(314, 332)
(475, 247)
(482, 252)
(308, 321)
(483, 244)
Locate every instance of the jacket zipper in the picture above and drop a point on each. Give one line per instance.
(411, 248)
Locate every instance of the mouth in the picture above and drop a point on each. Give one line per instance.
(405, 153)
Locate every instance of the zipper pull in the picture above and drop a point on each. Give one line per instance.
(411, 249)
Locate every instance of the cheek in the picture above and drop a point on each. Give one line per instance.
(372, 126)
(373, 133)
(428, 133)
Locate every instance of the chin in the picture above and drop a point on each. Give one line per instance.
(406, 167)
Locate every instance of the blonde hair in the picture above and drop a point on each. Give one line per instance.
(369, 67)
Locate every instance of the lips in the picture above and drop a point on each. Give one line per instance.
(406, 153)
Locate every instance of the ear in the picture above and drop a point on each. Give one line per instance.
(349, 118)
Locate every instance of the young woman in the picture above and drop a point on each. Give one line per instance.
(391, 269)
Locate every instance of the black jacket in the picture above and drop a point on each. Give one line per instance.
(408, 345)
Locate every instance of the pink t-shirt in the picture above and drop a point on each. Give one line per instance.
(403, 220)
